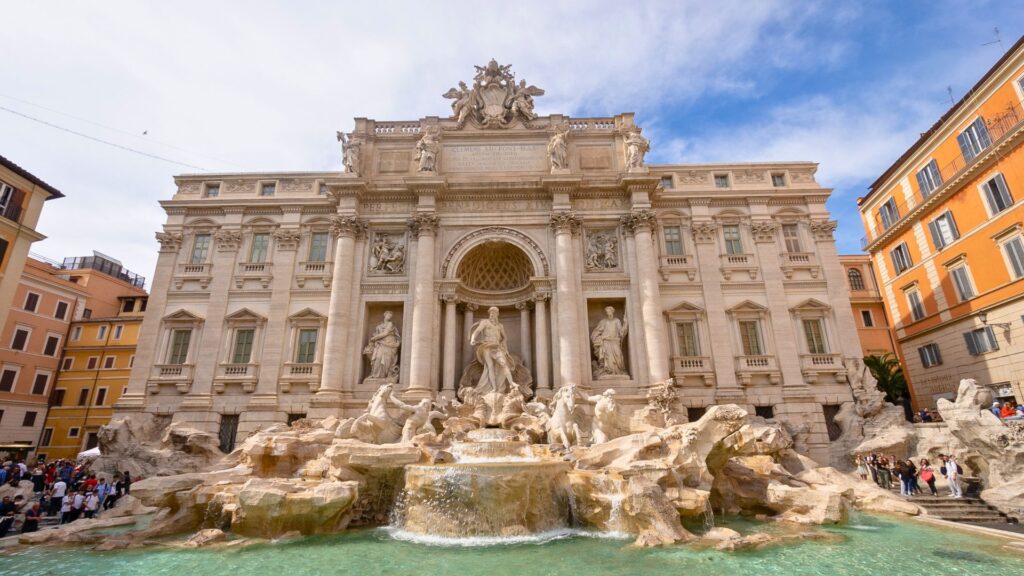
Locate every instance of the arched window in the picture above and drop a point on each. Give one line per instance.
(856, 280)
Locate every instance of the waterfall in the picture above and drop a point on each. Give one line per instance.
(709, 515)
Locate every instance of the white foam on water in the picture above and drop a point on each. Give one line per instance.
(481, 541)
(862, 527)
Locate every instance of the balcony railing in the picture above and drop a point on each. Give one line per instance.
(244, 374)
(731, 263)
(998, 127)
(259, 271)
(295, 372)
(194, 269)
(813, 364)
(172, 371)
(314, 270)
(691, 363)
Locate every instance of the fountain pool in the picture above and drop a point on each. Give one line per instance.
(870, 546)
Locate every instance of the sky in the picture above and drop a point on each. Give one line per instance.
(262, 86)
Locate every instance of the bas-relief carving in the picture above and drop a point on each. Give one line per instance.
(292, 185)
(190, 188)
(495, 100)
(636, 148)
(351, 147)
(382, 350)
(750, 176)
(606, 340)
(239, 187)
(427, 150)
(802, 177)
(387, 255)
(693, 177)
(602, 250)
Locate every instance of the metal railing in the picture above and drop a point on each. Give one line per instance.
(106, 266)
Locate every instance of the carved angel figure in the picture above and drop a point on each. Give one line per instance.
(636, 147)
(521, 101)
(388, 256)
(350, 147)
(427, 149)
(558, 150)
(462, 103)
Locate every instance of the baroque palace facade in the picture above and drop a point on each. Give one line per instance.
(286, 295)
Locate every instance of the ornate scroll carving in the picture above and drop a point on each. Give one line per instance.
(287, 239)
(169, 241)
(704, 232)
(228, 240)
(425, 224)
(565, 221)
(347, 226)
(763, 230)
(823, 229)
(639, 220)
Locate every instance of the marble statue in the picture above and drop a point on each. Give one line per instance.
(376, 425)
(602, 428)
(636, 147)
(558, 150)
(602, 251)
(562, 425)
(350, 148)
(462, 103)
(495, 100)
(388, 256)
(383, 349)
(522, 100)
(419, 420)
(427, 149)
(491, 343)
(607, 342)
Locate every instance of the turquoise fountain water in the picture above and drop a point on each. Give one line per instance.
(869, 546)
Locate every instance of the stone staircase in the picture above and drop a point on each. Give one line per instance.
(969, 510)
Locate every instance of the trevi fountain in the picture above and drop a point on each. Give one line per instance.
(516, 466)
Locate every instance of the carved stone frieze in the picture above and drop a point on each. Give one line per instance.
(228, 240)
(822, 229)
(639, 220)
(565, 221)
(802, 177)
(239, 186)
(347, 226)
(704, 232)
(287, 238)
(189, 188)
(602, 250)
(169, 241)
(693, 177)
(750, 176)
(425, 223)
(763, 230)
(387, 253)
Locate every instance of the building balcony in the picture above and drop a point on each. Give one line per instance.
(300, 373)
(814, 364)
(261, 272)
(201, 273)
(678, 263)
(178, 375)
(245, 374)
(790, 262)
(760, 365)
(321, 271)
(732, 264)
(694, 368)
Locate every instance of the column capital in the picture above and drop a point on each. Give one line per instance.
(639, 220)
(287, 238)
(449, 298)
(704, 232)
(763, 231)
(469, 307)
(524, 305)
(823, 229)
(170, 241)
(565, 221)
(423, 224)
(347, 226)
(541, 297)
(228, 240)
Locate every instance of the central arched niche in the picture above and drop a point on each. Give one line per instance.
(495, 266)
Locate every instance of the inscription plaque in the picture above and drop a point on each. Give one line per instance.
(495, 157)
(393, 161)
(592, 158)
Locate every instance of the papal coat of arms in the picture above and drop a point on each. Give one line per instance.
(495, 100)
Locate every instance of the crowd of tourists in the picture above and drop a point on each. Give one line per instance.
(1008, 410)
(60, 489)
(887, 470)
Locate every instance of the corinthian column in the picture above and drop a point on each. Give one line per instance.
(565, 224)
(543, 352)
(423, 227)
(339, 311)
(641, 223)
(450, 343)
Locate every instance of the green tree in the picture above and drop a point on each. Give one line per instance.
(887, 371)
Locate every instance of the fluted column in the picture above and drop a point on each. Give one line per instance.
(565, 224)
(641, 223)
(423, 227)
(540, 341)
(339, 311)
(450, 343)
(524, 333)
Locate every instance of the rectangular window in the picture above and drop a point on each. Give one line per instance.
(83, 397)
(791, 234)
(101, 332)
(1014, 250)
(118, 331)
(101, 397)
(867, 318)
(228, 431)
(92, 362)
(61, 311)
(915, 303)
(6, 194)
(47, 437)
(733, 243)
(20, 339)
(52, 344)
(997, 195)
(67, 363)
(721, 180)
(689, 344)
(268, 189)
(930, 355)
(57, 397)
(901, 258)
(31, 301)
(243, 346)
(76, 334)
(260, 243)
(962, 282)
(39, 384)
(766, 412)
(108, 362)
(673, 240)
(944, 230)
(212, 190)
(30, 419)
(928, 178)
(814, 330)
(889, 213)
(318, 246)
(974, 139)
(981, 340)
(7, 379)
(666, 182)
(128, 305)
(179, 346)
(73, 432)
(778, 180)
(750, 336)
(200, 249)
(305, 353)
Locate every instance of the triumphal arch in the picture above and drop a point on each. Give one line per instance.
(286, 295)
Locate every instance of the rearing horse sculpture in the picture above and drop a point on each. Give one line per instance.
(562, 425)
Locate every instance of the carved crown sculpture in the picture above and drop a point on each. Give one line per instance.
(495, 100)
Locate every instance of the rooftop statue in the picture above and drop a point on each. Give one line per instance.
(495, 100)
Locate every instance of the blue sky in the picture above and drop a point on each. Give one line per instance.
(262, 86)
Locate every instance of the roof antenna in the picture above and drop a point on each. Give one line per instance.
(998, 40)
(949, 90)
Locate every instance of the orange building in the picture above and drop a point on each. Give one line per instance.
(868, 307)
(944, 229)
(48, 298)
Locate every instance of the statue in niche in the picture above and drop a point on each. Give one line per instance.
(636, 147)
(607, 342)
(350, 148)
(602, 251)
(388, 256)
(491, 343)
(558, 148)
(383, 350)
(427, 149)
(603, 426)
